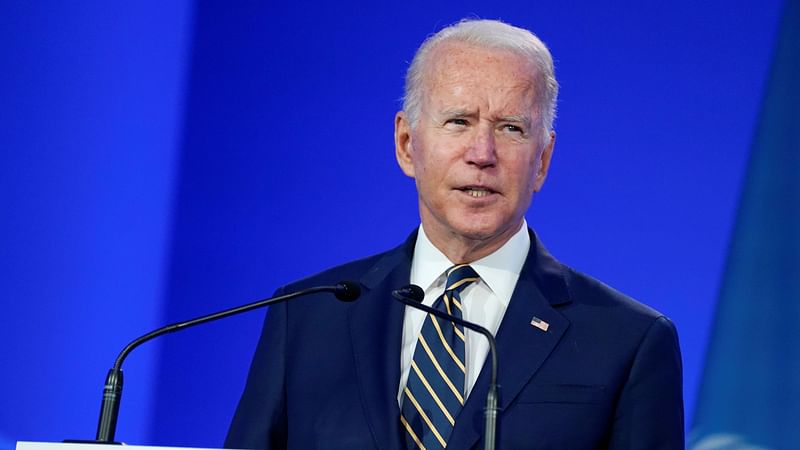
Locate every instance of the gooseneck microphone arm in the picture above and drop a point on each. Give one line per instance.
(412, 295)
(112, 393)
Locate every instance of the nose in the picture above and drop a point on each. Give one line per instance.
(482, 151)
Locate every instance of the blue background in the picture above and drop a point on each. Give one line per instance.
(161, 160)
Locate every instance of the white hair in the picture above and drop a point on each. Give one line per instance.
(491, 34)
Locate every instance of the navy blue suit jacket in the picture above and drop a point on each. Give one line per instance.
(605, 374)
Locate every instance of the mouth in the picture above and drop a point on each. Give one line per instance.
(477, 191)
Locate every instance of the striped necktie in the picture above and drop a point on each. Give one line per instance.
(434, 393)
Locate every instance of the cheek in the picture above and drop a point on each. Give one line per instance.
(524, 174)
(428, 167)
(422, 169)
(532, 175)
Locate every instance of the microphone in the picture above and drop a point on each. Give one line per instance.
(346, 291)
(412, 295)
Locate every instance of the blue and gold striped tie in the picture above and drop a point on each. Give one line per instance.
(434, 393)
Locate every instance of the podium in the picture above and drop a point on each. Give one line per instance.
(71, 446)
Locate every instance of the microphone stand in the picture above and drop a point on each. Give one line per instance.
(112, 392)
(412, 296)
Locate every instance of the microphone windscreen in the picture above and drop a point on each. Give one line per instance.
(412, 292)
(347, 291)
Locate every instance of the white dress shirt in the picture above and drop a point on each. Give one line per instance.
(484, 302)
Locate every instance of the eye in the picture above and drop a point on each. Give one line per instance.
(511, 128)
(457, 121)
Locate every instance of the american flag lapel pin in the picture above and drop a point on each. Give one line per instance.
(539, 323)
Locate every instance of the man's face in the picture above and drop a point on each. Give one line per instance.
(478, 151)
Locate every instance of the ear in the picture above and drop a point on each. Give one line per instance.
(544, 162)
(403, 147)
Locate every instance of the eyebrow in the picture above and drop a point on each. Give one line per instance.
(457, 112)
(525, 120)
(461, 112)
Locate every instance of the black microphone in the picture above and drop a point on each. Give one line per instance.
(346, 291)
(412, 295)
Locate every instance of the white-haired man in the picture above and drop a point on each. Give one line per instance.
(581, 365)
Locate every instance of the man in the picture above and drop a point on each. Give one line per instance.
(581, 365)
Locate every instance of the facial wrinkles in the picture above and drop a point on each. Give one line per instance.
(485, 105)
(460, 94)
(488, 89)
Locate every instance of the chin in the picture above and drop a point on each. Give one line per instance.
(479, 231)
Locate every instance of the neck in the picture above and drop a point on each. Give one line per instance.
(461, 249)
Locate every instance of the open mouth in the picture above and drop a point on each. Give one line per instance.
(476, 192)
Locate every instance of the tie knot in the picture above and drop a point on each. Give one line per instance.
(459, 277)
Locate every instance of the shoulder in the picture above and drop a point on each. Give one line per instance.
(352, 270)
(595, 294)
(616, 317)
(363, 270)
(578, 294)
(595, 310)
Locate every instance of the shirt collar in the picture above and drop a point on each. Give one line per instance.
(499, 270)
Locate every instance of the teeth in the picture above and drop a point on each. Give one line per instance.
(477, 192)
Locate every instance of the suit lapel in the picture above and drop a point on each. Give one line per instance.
(375, 323)
(522, 348)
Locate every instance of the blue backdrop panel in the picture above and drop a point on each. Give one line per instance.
(157, 177)
(90, 109)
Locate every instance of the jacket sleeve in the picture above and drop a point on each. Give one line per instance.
(649, 413)
(260, 418)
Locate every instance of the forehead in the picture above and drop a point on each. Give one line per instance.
(461, 72)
